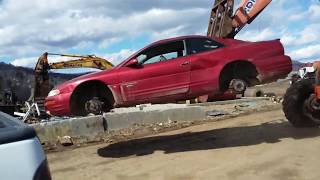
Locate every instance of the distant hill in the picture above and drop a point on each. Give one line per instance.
(296, 65)
(21, 79)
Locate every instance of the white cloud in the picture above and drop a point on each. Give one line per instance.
(296, 17)
(288, 39)
(120, 56)
(314, 11)
(307, 52)
(28, 28)
(176, 31)
(25, 62)
(256, 35)
(310, 34)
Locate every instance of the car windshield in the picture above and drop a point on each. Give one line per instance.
(170, 50)
(162, 52)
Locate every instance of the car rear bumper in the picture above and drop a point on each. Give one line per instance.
(58, 105)
(278, 68)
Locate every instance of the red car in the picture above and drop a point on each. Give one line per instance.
(171, 70)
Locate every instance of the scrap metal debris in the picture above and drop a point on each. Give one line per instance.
(65, 140)
(276, 99)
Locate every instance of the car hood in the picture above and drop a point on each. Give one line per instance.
(80, 79)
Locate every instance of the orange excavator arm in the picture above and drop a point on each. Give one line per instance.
(225, 23)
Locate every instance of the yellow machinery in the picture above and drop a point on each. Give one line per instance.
(89, 61)
(43, 66)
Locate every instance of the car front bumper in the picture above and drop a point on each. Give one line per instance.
(58, 105)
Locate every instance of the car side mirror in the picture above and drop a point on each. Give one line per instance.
(133, 62)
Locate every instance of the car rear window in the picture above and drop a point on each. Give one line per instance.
(199, 45)
(12, 130)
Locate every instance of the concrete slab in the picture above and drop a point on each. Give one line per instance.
(236, 101)
(153, 114)
(143, 120)
(84, 129)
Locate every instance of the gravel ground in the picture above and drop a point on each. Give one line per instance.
(262, 145)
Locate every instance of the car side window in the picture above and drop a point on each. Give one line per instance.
(198, 45)
(162, 52)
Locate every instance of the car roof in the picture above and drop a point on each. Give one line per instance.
(179, 38)
(13, 130)
(164, 41)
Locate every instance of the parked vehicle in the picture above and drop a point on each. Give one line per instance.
(21, 153)
(171, 70)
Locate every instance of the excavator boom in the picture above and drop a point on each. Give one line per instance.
(82, 62)
(225, 23)
(248, 11)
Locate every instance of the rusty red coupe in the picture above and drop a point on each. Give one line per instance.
(171, 70)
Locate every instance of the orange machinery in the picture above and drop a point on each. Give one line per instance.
(224, 22)
(301, 104)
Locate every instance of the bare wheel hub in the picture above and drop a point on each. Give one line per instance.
(94, 106)
(238, 85)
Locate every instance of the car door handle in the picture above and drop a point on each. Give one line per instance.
(186, 63)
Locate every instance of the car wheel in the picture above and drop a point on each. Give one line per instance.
(238, 85)
(91, 98)
(94, 106)
(294, 103)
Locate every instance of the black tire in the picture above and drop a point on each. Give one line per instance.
(80, 104)
(238, 85)
(90, 98)
(293, 103)
(94, 106)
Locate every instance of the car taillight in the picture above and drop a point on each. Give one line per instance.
(43, 172)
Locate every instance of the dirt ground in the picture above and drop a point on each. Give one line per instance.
(257, 146)
(278, 88)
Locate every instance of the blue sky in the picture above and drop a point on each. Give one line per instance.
(115, 29)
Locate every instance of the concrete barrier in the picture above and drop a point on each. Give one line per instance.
(153, 114)
(84, 129)
(94, 128)
(99, 128)
(236, 101)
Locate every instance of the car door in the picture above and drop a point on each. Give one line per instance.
(163, 73)
(204, 55)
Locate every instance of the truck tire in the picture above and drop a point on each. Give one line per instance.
(293, 103)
